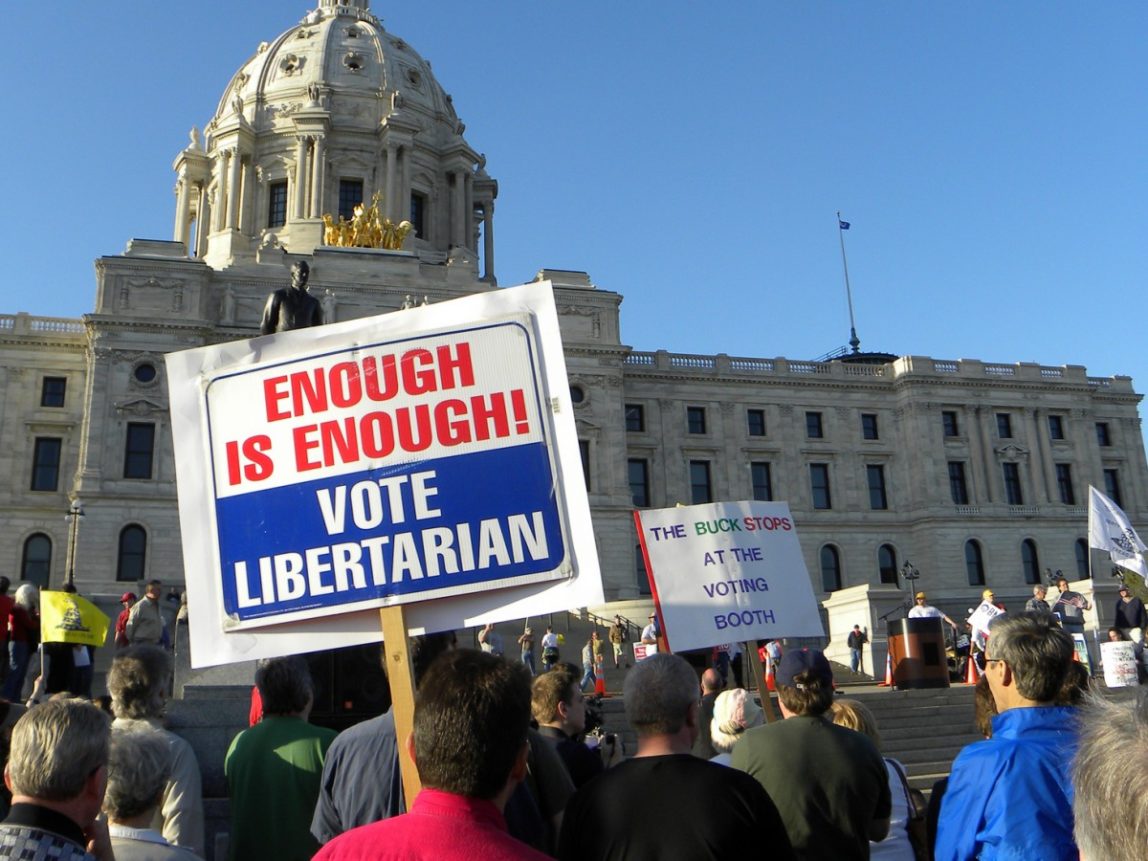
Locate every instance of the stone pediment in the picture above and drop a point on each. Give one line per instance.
(1012, 451)
(140, 407)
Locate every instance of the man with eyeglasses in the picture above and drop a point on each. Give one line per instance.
(1010, 796)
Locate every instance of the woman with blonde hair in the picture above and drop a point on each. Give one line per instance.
(734, 713)
(855, 715)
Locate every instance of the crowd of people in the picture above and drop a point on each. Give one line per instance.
(512, 767)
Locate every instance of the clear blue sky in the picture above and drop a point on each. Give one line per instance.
(990, 157)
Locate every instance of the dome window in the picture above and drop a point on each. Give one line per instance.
(290, 64)
(352, 33)
(414, 78)
(354, 62)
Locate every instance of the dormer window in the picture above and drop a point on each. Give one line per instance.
(354, 62)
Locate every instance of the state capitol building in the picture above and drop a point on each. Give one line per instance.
(976, 472)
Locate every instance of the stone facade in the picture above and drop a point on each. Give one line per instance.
(337, 106)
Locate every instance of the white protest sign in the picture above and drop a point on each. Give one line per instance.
(329, 471)
(727, 571)
(983, 617)
(1118, 659)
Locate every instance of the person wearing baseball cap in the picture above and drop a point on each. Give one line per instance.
(128, 600)
(829, 783)
(650, 632)
(922, 610)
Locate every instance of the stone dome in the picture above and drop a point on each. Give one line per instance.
(340, 57)
(333, 112)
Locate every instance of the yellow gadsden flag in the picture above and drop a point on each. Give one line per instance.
(68, 618)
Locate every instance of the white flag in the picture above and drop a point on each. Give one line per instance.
(1109, 529)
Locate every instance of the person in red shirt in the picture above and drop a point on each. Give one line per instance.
(127, 600)
(5, 611)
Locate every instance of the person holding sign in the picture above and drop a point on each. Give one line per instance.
(1070, 607)
(472, 715)
(666, 803)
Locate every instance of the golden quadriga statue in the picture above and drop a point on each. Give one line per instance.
(365, 229)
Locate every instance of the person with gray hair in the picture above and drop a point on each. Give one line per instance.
(57, 770)
(273, 769)
(137, 682)
(139, 763)
(1110, 782)
(665, 803)
(1010, 795)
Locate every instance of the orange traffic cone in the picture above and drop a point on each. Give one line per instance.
(971, 671)
(888, 683)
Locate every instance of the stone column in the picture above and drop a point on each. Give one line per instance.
(219, 209)
(389, 208)
(247, 210)
(300, 176)
(488, 240)
(988, 459)
(202, 219)
(233, 189)
(468, 211)
(182, 211)
(317, 169)
(458, 202)
(1043, 448)
(403, 203)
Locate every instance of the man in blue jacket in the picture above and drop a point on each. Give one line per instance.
(1010, 797)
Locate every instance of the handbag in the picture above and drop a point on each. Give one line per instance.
(917, 825)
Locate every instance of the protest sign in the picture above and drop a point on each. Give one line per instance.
(1118, 660)
(727, 571)
(329, 471)
(982, 618)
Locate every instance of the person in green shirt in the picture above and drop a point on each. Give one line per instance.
(273, 769)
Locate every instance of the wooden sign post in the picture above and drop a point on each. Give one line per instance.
(401, 678)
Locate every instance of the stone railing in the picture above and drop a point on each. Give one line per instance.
(906, 366)
(26, 324)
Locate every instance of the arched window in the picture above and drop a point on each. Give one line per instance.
(132, 553)
(1029, 561)
(1081, 559)
(974, 563)
(830, 568)
(36, 566)
(887, 563)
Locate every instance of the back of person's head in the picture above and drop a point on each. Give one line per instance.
(139, 764)
(658, 693)
(805, 682)
(284, 685)
(855, 715)
(425, 648)
(5, 585)
(1075, 687)
(984, 707)
(1037, 651)
(138, 680)
(550, 689)
(27, 596)
(472, 713)
(56, 747)
(734, 713)
(1110, 782)
(711, 681)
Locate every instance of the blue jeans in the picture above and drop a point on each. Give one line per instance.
(588, 677)
(17, 667)
(855, 660)
(528, 660)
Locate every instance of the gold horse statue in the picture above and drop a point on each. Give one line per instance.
(365, 229)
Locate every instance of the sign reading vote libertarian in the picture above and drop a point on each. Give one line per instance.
(727, 572)
(365, 464)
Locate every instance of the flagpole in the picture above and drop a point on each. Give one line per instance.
(854, 341)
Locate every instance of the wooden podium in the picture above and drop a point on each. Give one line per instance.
(917, 647)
